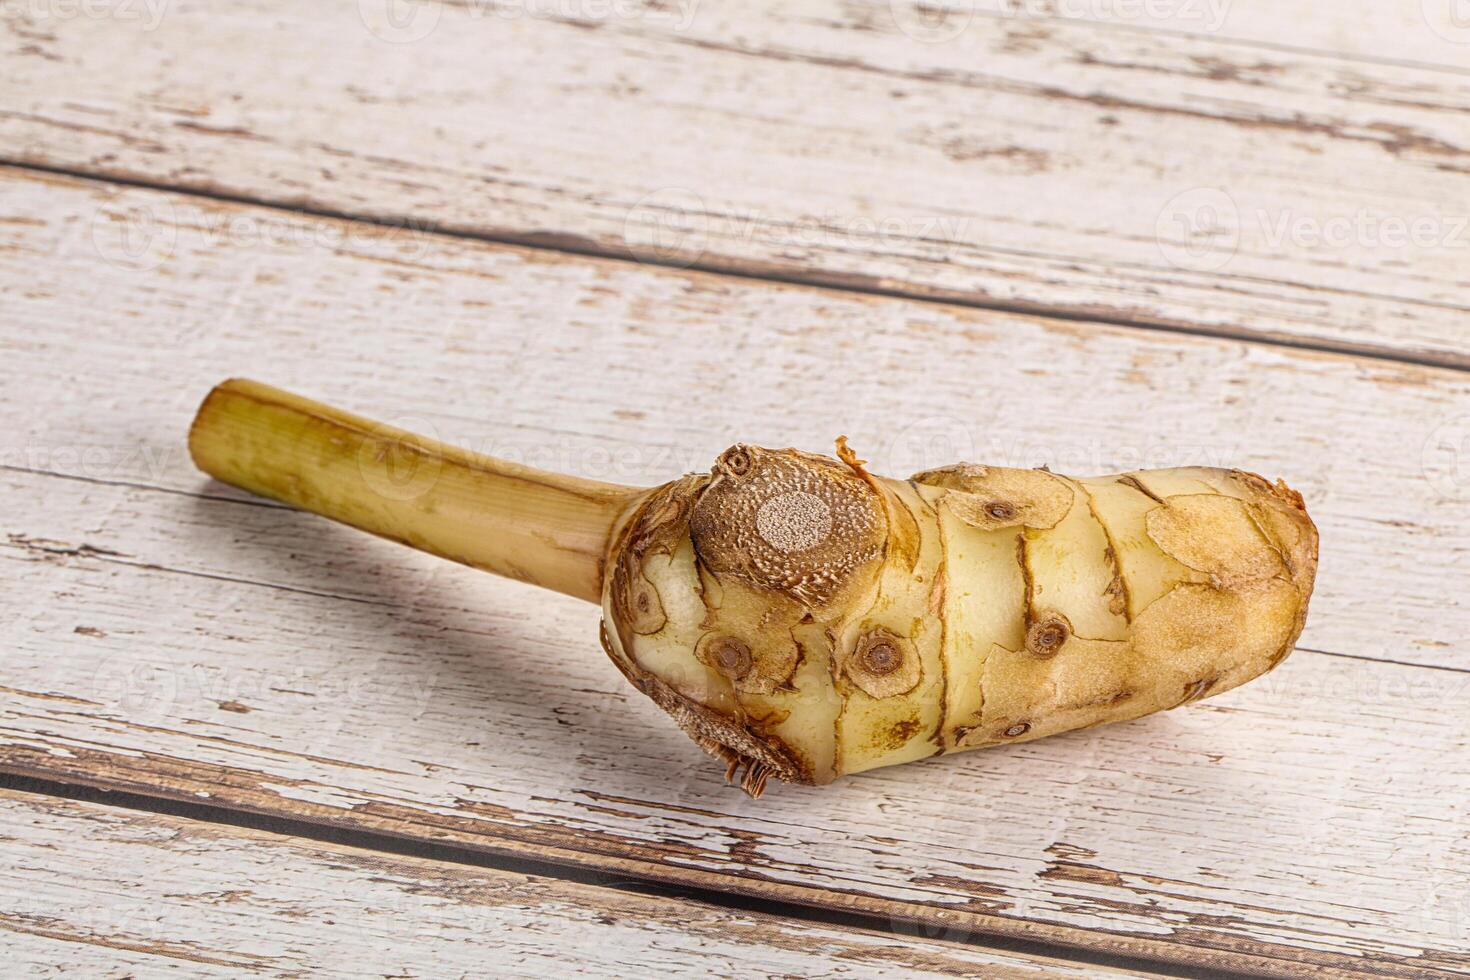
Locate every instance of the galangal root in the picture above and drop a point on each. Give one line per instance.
(802, 618)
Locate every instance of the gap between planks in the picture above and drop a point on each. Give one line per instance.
(237, 892)
(519, 864)
(1041, 180)
(576, 245)
(520, 833)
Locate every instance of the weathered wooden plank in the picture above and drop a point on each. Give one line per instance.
(630, 374)
(1306, 822)
(1428, 33)
(90, 888)
(1146, 177)
(166, 642)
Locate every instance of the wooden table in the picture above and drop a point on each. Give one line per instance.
(612, 238)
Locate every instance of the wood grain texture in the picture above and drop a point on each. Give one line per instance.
(1308, 820)
(619, 372)
(90, 888)
(170, 637)
(1204, 180)
(1424, 33)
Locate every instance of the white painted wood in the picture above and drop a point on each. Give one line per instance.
(1220, 181)
(96, 890)
(1421, 32)
(1312, 817)
(168, 642)
(624, 373)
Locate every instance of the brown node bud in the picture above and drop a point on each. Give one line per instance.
(881, 657)
(883, 664)
(1017, 730)
(1001, 510)
(993, 497)
(735, 461)
(730, 657)
(753, 670)
(658, 528)
(637, 602)
(1046, 637)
